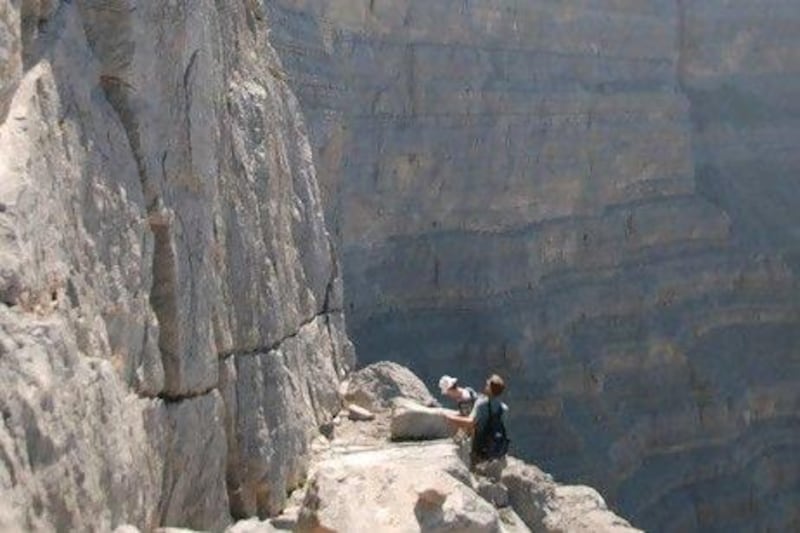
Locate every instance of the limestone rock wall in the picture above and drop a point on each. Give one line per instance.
(171, 328)
(596, 198)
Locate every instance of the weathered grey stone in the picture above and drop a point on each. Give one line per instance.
(78, 451)
(510, 522)
(355, 412)
(274, 403)
(344, 351)
(377, 385)
(158, 210)
(412, 421)
(252, 525)
(405, 488)
(597, 199)
(493, 492)
(195, 494)
(492, 470)
(74, 229)
(10, 54)
(547, 506)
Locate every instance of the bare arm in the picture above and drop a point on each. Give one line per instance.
(462, 422)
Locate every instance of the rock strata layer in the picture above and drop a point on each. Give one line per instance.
(171, 327)
(597, 199)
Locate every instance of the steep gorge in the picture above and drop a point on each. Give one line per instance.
(595, 197)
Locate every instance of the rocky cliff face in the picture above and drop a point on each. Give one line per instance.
(171, 331)
(596, 198)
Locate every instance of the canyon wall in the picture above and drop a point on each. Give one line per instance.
(596, 198)
(171, 327)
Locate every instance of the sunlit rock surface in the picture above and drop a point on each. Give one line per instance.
(170, 306)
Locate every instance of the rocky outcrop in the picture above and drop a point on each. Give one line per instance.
(360, 481)
(252, 525)
(427, 487)
(376, 386)
(596, 199)
(547, 506)
(171, 328)
(409, 488)
(412, 421)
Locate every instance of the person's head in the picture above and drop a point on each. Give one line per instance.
(449, 387)
(454, 393)
(494, 386)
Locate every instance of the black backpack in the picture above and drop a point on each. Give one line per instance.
(493, 442)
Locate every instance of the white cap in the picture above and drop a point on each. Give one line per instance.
(446, 383)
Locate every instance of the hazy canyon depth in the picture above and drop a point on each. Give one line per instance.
(598, 198)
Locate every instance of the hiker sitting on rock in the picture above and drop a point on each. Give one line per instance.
(463, 396)
(485, 423)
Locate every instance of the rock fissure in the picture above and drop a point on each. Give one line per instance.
(187, 99)
(169, 398)
(273, 346)
(163, 296)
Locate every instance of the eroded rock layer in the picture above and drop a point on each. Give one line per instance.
(171, 332)
(598, 199)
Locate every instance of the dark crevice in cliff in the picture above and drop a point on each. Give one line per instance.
(330, 287)
(277, 344)
(5, 458)
(164, 289)
(328, 309)
(118, 92)
(163, 299)
(187, 98)
(193, 272)
(163, 292)
(169, 398)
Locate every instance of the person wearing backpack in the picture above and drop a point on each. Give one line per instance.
(464, 397)
(485, 423)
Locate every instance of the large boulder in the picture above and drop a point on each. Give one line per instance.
(252, 525)
(412, 421)
(549, 507)
(375, 387)
(358, 413)
(402, 488)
